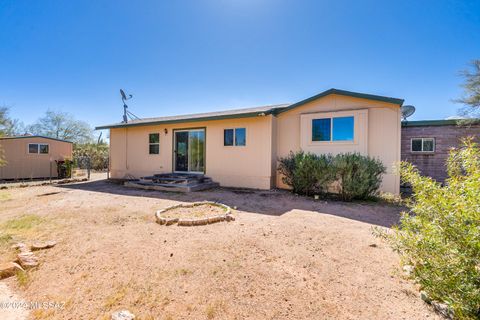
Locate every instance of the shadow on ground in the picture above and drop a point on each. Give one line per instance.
(274, 202)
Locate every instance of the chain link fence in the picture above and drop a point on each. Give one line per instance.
(83, 166)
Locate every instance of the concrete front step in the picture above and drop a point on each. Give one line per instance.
(176, 178)
(176, 187)
(179, 182)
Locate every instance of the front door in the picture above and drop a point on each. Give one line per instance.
(189, 150)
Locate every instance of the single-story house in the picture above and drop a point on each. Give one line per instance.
(427, 143)
(240, 148)
(32, 157)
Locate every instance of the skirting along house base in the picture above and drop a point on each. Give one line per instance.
(240, 148)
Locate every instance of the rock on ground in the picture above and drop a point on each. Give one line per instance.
(123, 315)
(9, 269)
(27, 260)
(43, 245)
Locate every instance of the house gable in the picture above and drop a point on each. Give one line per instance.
(333, 91)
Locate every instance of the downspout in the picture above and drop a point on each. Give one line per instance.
(126, 148)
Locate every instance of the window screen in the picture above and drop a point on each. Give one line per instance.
(428, 145)
(154, 143)
(417, 145)
(228, 137)
(423, 145)
(43, 148)
(32, 148)
(321, 129)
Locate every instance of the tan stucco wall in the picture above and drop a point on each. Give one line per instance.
(376, 133)
(22, 165)
(247, 166)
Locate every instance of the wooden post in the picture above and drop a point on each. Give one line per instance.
(88, 168)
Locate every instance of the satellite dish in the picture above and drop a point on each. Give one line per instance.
(124, 96)
(126, 113)
(407, 111)
(122, 93)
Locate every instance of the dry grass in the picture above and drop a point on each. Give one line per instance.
(215, 309)
(5, 239)
(182, 272)
(23, 278)
(116, 297)
(39, 314)
(15, 230)
(22, 223)
(4, 195)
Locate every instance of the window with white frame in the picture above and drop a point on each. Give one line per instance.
(154, 143)
(333, 129)
(235, 137)
(38, 148)
(423, 145)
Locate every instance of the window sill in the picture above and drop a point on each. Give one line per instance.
(329, 143)
(423, 152)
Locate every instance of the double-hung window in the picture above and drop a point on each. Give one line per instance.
(333, 129)
(423, 145)
(38, 148)
(154, 143)
(235, 137)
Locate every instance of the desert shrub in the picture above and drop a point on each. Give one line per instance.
(440, 237)
(359, 177)
(94, 155)
(307, 173)
(286, 166)
(64, 168)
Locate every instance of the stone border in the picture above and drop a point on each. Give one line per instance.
(194, 222)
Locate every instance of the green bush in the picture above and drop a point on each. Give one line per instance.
(307, 173)
(440, 238)
(287, 167)
(359, 177)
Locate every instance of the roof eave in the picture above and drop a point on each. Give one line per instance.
(434, 123)
(210, 118)
(36, 136)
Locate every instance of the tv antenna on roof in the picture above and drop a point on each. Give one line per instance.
(127, 114)
(407, 111)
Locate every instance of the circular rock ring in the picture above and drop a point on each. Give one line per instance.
(227, 216)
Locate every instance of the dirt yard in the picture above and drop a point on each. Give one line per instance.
(284, 257)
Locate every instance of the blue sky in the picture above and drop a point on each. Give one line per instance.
(180, 57)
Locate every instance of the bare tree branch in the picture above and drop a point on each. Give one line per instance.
(471, 96)
(62, 125)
